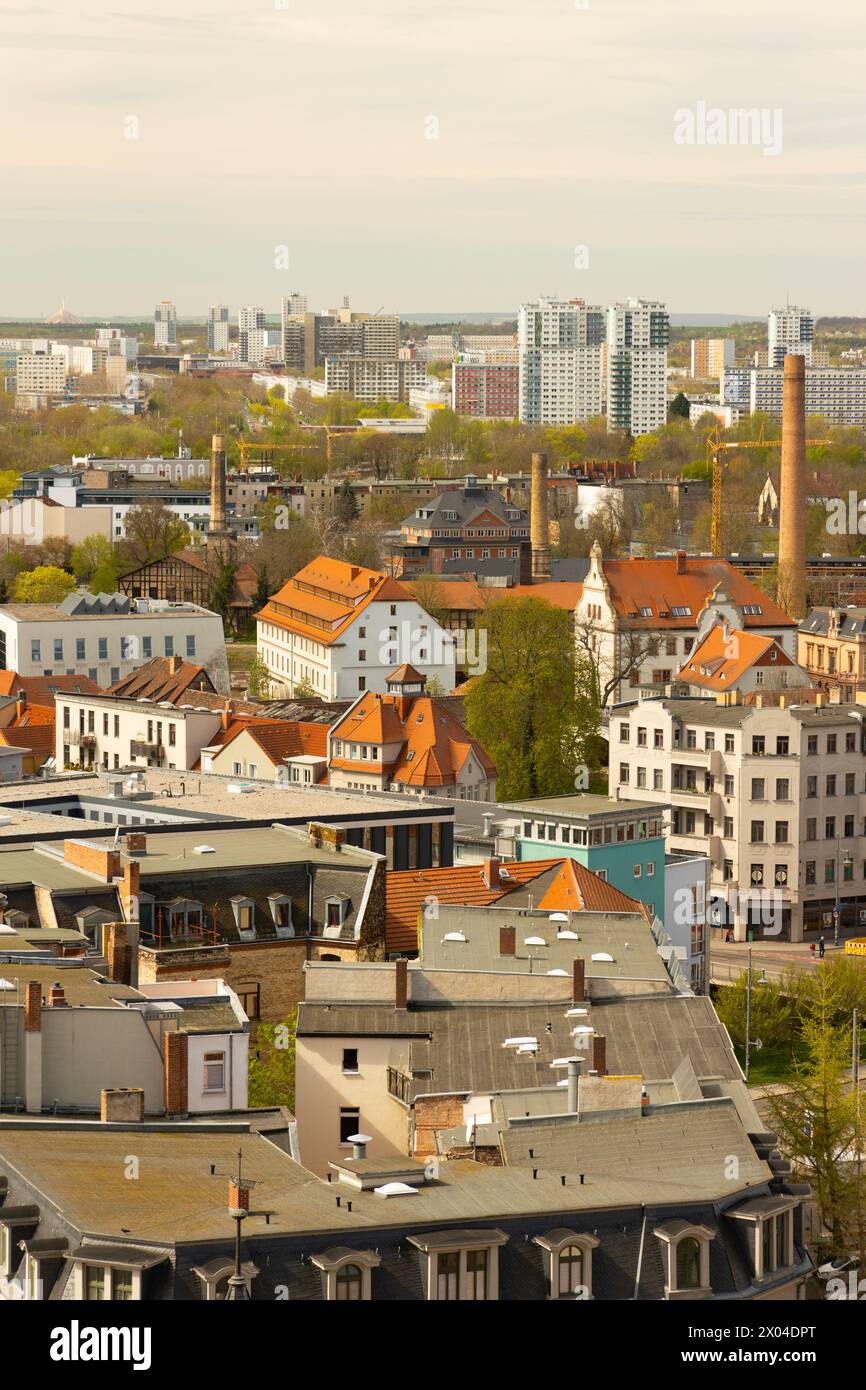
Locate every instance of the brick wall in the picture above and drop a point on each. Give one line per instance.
(176, 1074)
(93, 858)
(432, 1113)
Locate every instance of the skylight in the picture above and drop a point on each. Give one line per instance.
(602, 956)
(520, 1042)
(454, 936)
(396, 1189)
(534, 941)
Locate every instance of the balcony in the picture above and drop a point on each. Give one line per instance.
(142, 748)
(76, 738)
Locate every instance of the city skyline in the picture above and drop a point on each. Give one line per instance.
(551, 167)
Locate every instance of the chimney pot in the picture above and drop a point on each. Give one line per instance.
(56, 996)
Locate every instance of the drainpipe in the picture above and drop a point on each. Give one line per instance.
(640, 1256)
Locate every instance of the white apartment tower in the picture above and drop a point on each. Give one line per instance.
(251, 339)
(789, 330)
(637, 361)
(560, 345)
(294, 305)
(218, 328)
(165, 324)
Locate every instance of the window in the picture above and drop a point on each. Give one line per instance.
(758, 744)
(95, 1287)
(103, 648)
(781, 832)
(121, 1285)
(810, 871)
(811, 786)
(783, 789)
(782, 747)
(476, 1274)
(80, 649)
(349, 1284)
(757, 789)
(658, 738)
(851, 742)
(448, 1275)
(168, 644)
(831, 743)
(214, 1071)
(350, 1122)
(350, 1060)
(688, 1263)
(757, 832)
(812, 745)
(829, 827)
(569, 1271)
(190, 645)
(658, 780)
(147, 647)
(830, 786)
(729, 743)
(729, 786)
(35, 650)
(623, 772)
(641, 738)
(636, 871)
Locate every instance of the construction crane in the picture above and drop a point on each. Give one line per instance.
(716, 446)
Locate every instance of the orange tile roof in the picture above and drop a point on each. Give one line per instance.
(460, 594)
(638, 583)
(277, 738)
(326, 596)
(574, 889)
(43, 687)
(433, 745)
(726, 654)
(561, 595)
(39, 738)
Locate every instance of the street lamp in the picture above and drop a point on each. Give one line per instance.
(762, 980)
(848, 861)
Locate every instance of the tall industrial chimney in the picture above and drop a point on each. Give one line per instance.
(217, 485)
(792, 502)
(539, 530)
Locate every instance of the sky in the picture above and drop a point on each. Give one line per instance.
(417, 156)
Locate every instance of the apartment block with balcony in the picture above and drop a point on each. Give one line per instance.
(775, 796)
(107, 732)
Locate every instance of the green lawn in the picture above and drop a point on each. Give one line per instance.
(771, 1065)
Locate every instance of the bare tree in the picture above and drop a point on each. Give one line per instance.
(612, 655)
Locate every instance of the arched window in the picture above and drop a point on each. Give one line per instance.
(570, 1267)
(689, 1263)
(349, 1284)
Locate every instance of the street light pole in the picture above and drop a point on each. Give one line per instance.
(748, 1007)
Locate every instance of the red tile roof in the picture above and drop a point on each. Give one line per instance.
(163, 678)
(636, 584)
(726, 654)
(326, 596)
(433, 745)
(575, 888)
(41, 688)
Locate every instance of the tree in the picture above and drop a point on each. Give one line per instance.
(272, 1072)
(258, 679)
(772, 1011)
(223, 586)
(679, 407)
(523, 707)
(817, 1120)
(94, 555)
(45, 584)
(611, 657)
(152, 533)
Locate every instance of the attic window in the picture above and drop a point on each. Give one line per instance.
(244, 913)
(646, 612)
(336, 912)
(681, 612)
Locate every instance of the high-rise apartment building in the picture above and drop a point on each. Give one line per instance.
(789, 330)
(218, 328)
(485, 390)
(251, 319)
(294, 305)
(165, 324)
(381, 335)
(709, 357)
(637, 361)
(560, 361)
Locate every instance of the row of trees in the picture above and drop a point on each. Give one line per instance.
(817, 1113)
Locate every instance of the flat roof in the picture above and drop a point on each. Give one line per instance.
(584, 804)
(539, 948)
(191, 793)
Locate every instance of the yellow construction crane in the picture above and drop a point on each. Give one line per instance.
(716, 446)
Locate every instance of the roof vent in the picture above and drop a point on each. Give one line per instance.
(204, 849)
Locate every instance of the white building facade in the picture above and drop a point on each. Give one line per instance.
(560, 347)
(637, 360)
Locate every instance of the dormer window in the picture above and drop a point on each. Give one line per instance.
(772, 1234)
(281, 913)
(336, 912)
(686, 1255)
(347, 1275)
(567, 1263)
(244, 913)
(460, 1264)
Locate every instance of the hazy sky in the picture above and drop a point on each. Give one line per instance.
(304, 123)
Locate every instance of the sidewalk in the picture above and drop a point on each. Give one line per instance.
(729, 958)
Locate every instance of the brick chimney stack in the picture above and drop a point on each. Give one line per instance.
(792, 492)
(599, 1054)
(578, 978)
(33, 1007)
(507, 941)
(401, 983)
(539, 528)
(175, 1074)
